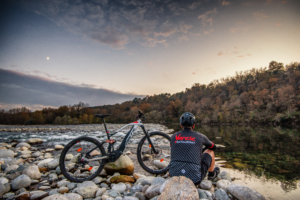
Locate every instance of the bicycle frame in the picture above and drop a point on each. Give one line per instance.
(126, 138)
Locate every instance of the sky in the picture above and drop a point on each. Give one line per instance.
(60, 52)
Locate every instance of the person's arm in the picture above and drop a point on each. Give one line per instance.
(208, 144)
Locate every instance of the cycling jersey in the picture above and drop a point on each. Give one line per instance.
(186, 153)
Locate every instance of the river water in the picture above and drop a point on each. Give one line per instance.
(263, 158)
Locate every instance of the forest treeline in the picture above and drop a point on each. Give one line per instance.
(266, 95)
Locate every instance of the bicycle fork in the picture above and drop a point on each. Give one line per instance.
(149, 140)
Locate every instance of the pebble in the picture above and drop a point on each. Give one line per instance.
(136, 188)
(104, 185)
(63, 190)
(206, 184)
(58, 147)
(44, 187)
(49, 150)
(22, 181)
(97, 180)
(120, 187)
(100, 192)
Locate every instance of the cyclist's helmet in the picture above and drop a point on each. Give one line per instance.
(187, 119)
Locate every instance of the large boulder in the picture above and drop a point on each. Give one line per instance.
(87, 189)
(34, 141)
(22, 181)
(179, 188)
(123, 165)
(33, 172)
(5, 153)
(242, 192)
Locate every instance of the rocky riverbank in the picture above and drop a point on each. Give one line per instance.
(30, 171)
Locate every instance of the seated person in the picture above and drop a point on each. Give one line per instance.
(187, 158)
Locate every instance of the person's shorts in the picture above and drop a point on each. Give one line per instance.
(205, 164)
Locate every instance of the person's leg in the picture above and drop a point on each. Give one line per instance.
(212, 154)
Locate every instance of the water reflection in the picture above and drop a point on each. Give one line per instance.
(265, 152)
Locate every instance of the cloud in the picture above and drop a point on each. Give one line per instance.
(7, 106)
(20, 89)
(259, 15)
(220, 53)
(240, 56)
(117, 23)
(204, 17)
(225, 3)
(285, 1)
(278, 24)
(207, 32)
(194, 5)
(268, 2)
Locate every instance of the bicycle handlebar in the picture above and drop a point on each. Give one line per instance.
(139, 115)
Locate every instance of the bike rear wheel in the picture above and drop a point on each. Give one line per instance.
(74, 163)
(150, 161)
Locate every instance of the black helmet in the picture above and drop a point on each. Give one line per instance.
(187, 119)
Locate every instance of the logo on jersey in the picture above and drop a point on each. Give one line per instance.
(183, 171)
(181, 139)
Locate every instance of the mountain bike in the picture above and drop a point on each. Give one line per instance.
(84, 157)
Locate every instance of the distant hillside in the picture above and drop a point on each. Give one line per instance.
(265, 95)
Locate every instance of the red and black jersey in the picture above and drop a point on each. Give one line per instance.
(186, 152)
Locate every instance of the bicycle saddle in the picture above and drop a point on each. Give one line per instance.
(101, 116)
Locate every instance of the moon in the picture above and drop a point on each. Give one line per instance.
(48, 58)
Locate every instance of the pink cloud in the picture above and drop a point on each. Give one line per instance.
(284, 1)
(278, 24)
(204, 17)
(220, 53)
(207, 32)
(268, 2)
(225, 3)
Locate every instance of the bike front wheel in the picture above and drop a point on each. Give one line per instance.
(76, 162)
(155, 163)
